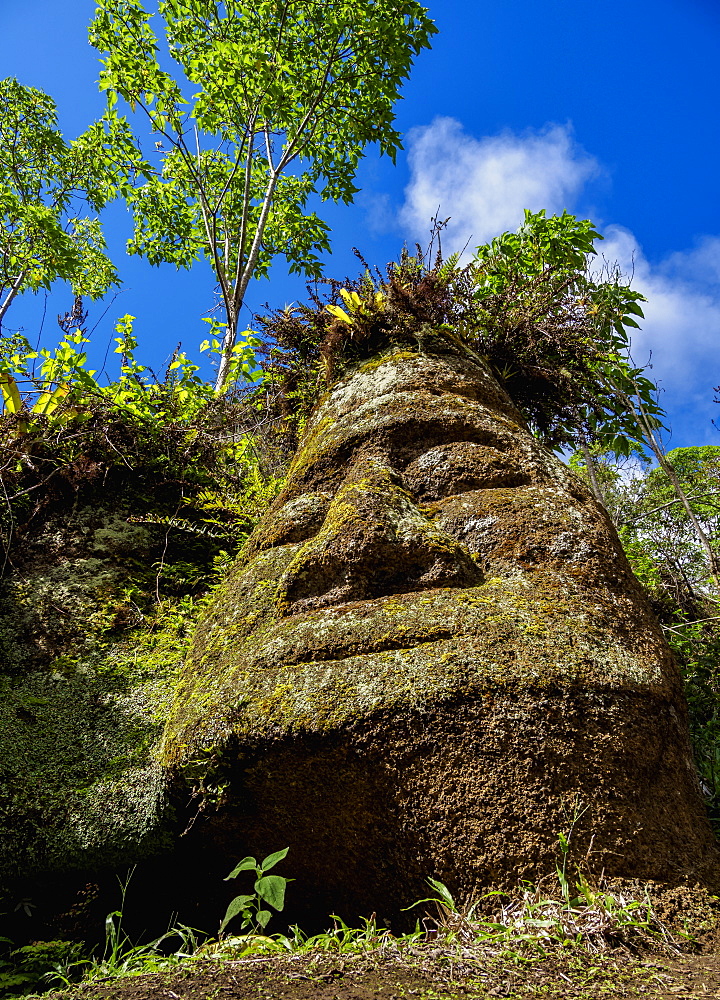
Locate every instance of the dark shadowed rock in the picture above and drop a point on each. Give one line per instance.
(431, 657)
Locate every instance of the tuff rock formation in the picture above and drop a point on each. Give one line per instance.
(84, 687)
(431, 659)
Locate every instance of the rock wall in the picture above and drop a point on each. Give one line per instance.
(87, 668)
(431, 658)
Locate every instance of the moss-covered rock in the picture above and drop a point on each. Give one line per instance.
(89, 662)
(79, 786)
(432, 657)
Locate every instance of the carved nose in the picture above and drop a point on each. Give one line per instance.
(375, 541)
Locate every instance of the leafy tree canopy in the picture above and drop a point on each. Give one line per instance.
(657, 530)
(45, 185)
(559, 335)
(285, 96)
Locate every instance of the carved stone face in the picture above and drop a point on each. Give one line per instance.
(417, 484)
(429, 562)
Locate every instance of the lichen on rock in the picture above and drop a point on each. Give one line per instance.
(430, 652)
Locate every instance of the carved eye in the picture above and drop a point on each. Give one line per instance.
(460, 467)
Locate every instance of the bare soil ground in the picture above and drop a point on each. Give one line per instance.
(421, 975)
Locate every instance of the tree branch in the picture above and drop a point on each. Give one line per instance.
(12, 293)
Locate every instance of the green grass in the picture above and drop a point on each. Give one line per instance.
(584, 929)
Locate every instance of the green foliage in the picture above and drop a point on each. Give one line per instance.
(62, 382)
(56, 410)
(697, 648)
(268, 889)
(644, 566)
(36, 967)
(120, 956)
(62, 392)
(275, 86)
(556, 337)
(242, 364)
(559, 335)
(44, 184)
(656, 530)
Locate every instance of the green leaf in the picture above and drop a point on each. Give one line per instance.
(271, 888)
(272, 859)
(247, 864)
(237, 905)
(442, 891)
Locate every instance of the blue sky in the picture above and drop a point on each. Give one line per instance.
(608, 110)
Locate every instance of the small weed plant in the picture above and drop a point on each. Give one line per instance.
(594, 921)
(591, 919)
(269, 890)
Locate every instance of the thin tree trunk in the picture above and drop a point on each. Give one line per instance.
(241, 288)
(226, 353)
(590, 463)
(11, 294)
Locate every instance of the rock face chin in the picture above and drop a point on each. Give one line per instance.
(432, 658)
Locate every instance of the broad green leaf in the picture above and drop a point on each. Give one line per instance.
(237, 905)
(247, 864)
(272, 859)
(46, 186)
(271, 888)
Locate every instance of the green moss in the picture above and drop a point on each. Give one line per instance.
(393, 355)
(407, 650)
(79, 782)
(83, 700)
(315, 436)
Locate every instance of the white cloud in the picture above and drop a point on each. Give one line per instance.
(700, 266)
(485, 184)
(681, 331)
